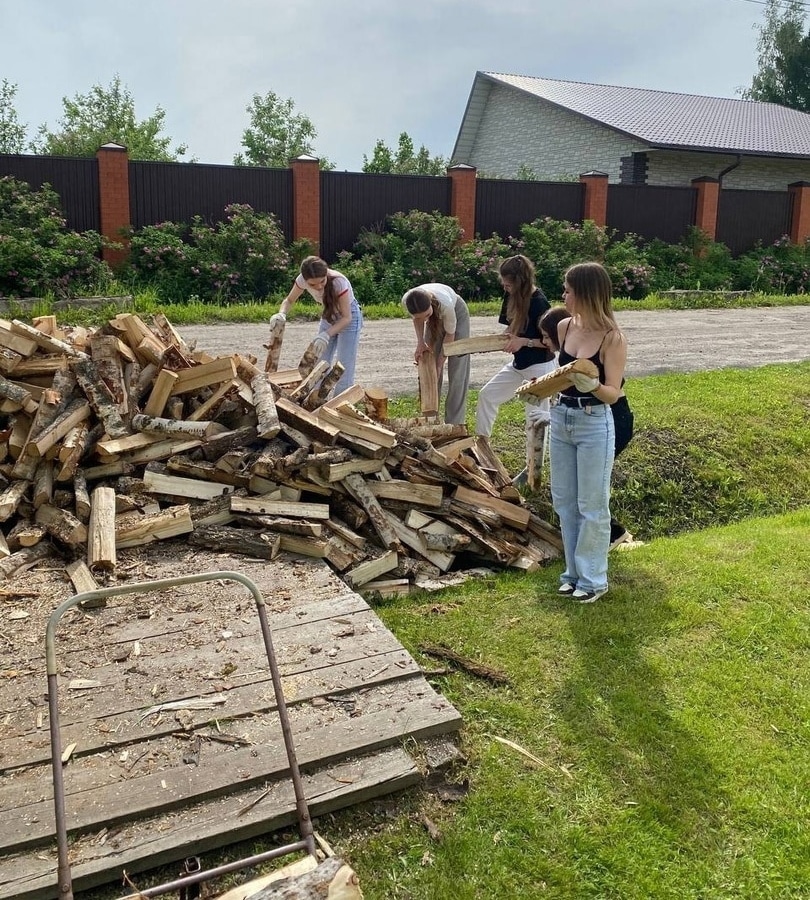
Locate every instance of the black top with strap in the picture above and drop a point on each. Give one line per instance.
(565, 358)
(530, 356)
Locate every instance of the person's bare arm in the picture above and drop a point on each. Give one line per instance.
(345, 309)
(289, 301)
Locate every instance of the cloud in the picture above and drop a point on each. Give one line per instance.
(360, 69)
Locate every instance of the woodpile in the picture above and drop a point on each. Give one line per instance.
(116, 437)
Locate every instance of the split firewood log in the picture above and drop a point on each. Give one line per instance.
(486, 343)
(558, 380)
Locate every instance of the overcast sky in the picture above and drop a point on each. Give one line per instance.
(360, 69)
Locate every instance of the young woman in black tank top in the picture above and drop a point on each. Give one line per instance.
(582, 434)
(622, 414)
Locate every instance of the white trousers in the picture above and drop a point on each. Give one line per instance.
(501, 387)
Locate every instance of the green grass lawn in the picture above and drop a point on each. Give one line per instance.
(672, 721)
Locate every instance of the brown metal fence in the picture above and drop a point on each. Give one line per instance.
(651, 211)
(75, 180)
(352, 201)
(746, 217)
(502, 206)
(176, 192)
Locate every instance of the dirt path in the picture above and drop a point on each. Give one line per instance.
(659, 342)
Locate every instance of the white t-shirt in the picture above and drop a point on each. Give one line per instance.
(446, 298)
(341, 285)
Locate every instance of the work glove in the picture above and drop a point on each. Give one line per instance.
(584, 383)
(319, 345)
(278, 317)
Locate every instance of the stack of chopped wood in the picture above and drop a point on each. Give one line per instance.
(120, 436)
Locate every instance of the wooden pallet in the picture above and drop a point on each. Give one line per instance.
(147, 784)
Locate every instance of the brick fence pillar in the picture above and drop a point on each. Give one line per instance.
(708, 202)
(462, 198)
(113, 198)
(306, 174)
(594, 204)
(800, 211)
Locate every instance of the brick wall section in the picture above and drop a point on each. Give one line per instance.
(113, 190)
(306, 175)
(800, 218)
(462, 198)
(708, 200)
(594, 205)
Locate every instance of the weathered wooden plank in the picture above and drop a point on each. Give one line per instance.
(416, 712)
(175, 837)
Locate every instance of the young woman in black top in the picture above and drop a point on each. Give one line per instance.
(582, 433)
(522, 306)
(622, 414)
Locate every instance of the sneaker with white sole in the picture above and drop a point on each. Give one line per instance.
(566, 589)
(581, 596)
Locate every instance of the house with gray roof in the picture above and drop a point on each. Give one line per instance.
(515, 124)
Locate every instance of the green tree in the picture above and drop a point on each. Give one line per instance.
(277, 134)
(403, 161)
(12, 133)
(784, 57)
(104, 115)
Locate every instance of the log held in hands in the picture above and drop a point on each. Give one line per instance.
(556, 381)
(486, 343)
(273, 345)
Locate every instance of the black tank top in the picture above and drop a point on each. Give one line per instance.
(565, 358)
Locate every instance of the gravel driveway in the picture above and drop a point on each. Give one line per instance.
(658, 342)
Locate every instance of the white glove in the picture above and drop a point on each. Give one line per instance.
(531, 400)
(584, 383)
(278, 317)
(319, 345)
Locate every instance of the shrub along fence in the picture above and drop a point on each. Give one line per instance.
(110, 194)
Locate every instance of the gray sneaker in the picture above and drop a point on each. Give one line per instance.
(566, 589)
(588, 596)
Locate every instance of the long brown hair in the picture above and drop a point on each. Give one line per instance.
(549, 323)
(593, 290)
(315, 267)
(520, 270)
(419, 301)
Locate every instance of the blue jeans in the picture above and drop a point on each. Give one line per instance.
(344, 346)
(581, 444)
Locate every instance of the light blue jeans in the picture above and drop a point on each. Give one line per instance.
(581, 443)
(343, 346)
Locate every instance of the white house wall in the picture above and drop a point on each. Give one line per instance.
(519, 130)
(754, 172)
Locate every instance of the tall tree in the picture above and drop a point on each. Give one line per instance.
(405, 160)
(277, 134)
(104, 115)
(784, 57)
(12, 132)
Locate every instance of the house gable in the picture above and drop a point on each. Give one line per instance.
(518, 131)
(558, 129)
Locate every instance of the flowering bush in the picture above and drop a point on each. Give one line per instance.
(243, 256)
(37, 251)
(417, 248)
(781, 268)
(693, 263)
(555, 244)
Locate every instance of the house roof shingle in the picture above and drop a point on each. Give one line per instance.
(665, 119)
